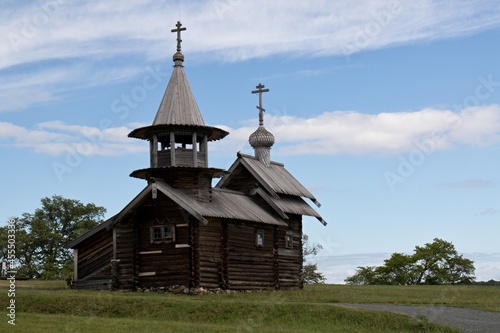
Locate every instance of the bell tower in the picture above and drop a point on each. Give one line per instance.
(178, 137)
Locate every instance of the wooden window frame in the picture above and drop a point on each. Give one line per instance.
(259, 238)
(162, 231)
(289, 240)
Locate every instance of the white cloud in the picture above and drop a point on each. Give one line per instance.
(55, 138)
(338, 132)
(101, 32)
(234, 29)
(350, 132)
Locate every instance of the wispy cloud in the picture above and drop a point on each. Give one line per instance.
(468, 184)
(58, 33)
(489, 211)
(55, 138)
(338, 132)
(233, 29)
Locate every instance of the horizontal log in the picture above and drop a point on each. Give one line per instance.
(253, 279)
(205, 269)
(235, 282)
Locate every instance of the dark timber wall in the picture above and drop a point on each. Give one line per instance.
(290, 260)
(249, 266)
(125, 257)
(162, 263)
(94, 257)
(210, 252)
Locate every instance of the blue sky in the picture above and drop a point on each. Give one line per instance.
(388, 111)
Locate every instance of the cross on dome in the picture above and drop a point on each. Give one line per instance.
(178, 30)
(259, 91)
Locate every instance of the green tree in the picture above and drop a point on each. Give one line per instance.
(435, 263)
(41, 236)
(310, 273)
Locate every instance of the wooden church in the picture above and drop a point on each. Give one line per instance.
(245, 233)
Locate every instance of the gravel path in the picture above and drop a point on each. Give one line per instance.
(466, 320)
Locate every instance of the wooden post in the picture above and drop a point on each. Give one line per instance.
(153, 146)
(205, 150)
(276, 261)
(75, 265)
(224, 283)
(172, 149)
(195, 151)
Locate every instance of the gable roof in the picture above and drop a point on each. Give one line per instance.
(288, 204)
(224, 204)
(274, 178)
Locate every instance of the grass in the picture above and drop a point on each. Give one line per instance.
(47, 306)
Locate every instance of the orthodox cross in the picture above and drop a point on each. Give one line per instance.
(178, 30)
(259, 91)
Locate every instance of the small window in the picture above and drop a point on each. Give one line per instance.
(162, 234)
(289, 241)
(259, 239)
(168, 233)
(157, 234)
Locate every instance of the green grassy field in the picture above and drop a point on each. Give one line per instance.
(47, 306)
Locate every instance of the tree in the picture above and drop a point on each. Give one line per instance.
(41, 236)
(435, 263)
(310, 274)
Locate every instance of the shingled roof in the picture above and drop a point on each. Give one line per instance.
(282, 190)
(178, 106)
(274, 178)
(224, 204)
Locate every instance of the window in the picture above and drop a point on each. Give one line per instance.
(289, 240)
(259, 239)
(162, 234)
(157, 234)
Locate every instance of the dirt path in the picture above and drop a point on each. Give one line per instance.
(466, 320)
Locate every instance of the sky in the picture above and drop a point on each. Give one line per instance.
(387, 111)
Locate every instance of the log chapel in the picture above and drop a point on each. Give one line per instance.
(243, 233)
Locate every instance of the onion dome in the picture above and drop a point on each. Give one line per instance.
(261, 138)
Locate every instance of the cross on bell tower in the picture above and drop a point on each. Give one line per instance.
(178, 30)
(178, 137)
(259, 91)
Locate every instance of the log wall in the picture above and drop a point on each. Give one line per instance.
(125, 258)
(94, 257)
(250, 266)
(162, 263)
(290, 260)
(210, 247)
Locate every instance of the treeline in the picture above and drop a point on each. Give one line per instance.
(40, 237)
(434, 263)
(487, 283)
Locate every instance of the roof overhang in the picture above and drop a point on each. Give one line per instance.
(147, 132)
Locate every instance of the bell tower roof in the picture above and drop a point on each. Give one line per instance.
(178, 106)
(178, 137)
(178, 109)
